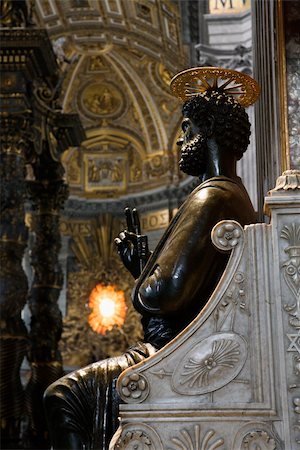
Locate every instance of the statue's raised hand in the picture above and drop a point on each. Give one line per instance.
(132, 245)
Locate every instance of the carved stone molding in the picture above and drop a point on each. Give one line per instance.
(134, 388)
(139, 436)
(235, 369)
(210, 365)
(257, 435)
(196, 439)
(227, 234)
(289, 180)
(291, 270)
(259, 439)
(239, 58)
(236, 299)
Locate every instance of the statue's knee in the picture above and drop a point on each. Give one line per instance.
(51, 392)
(54, 395)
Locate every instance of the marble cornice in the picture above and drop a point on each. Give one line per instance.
(76, 207)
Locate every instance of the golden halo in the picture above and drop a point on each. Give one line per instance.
(199, 80)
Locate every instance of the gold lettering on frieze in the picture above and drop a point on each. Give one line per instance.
(155, 220)
(72, 227)
(228, 6)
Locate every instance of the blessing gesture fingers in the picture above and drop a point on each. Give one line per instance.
(132, 245)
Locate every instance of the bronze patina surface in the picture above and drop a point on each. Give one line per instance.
(176, 280)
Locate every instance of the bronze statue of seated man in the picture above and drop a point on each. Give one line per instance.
(178, 277)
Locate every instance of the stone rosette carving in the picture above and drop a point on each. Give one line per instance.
(134, 440)
(257, 435)
(192, 440)
(211, 364)
(227, 234)
(134, 387)
(137, 437)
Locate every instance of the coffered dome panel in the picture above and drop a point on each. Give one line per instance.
(118, 57)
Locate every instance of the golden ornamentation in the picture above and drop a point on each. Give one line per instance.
(136, 83)
(74, 227)
(102, 99)
(98, 263)
(157, 166)
(97, 63)
(282, 86)
(135, 166)
(156, 220)
(72, 164)
(105, 172)
(80, 345)
(144, 12)
(199, 80)
(108, 308)
(228, 7)
(165, 74)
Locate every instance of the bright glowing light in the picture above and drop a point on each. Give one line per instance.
(108, 308)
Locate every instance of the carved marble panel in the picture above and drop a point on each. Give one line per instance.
(196, 439)
(230, 380)
(210, 364)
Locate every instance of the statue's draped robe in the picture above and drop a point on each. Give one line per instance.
(182, 272)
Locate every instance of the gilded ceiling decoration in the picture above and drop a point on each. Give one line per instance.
(99, 284)
(118, 57)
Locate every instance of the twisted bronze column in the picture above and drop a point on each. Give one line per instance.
(13, 239)
(47, 193)
(34, 131)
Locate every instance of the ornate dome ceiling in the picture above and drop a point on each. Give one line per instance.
(117, 57)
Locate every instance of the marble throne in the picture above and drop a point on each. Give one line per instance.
(231, 379)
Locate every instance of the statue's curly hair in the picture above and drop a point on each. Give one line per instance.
(232, 126)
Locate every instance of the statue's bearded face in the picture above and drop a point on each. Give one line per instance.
(193, 149)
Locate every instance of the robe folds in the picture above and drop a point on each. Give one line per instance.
(176, 283)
